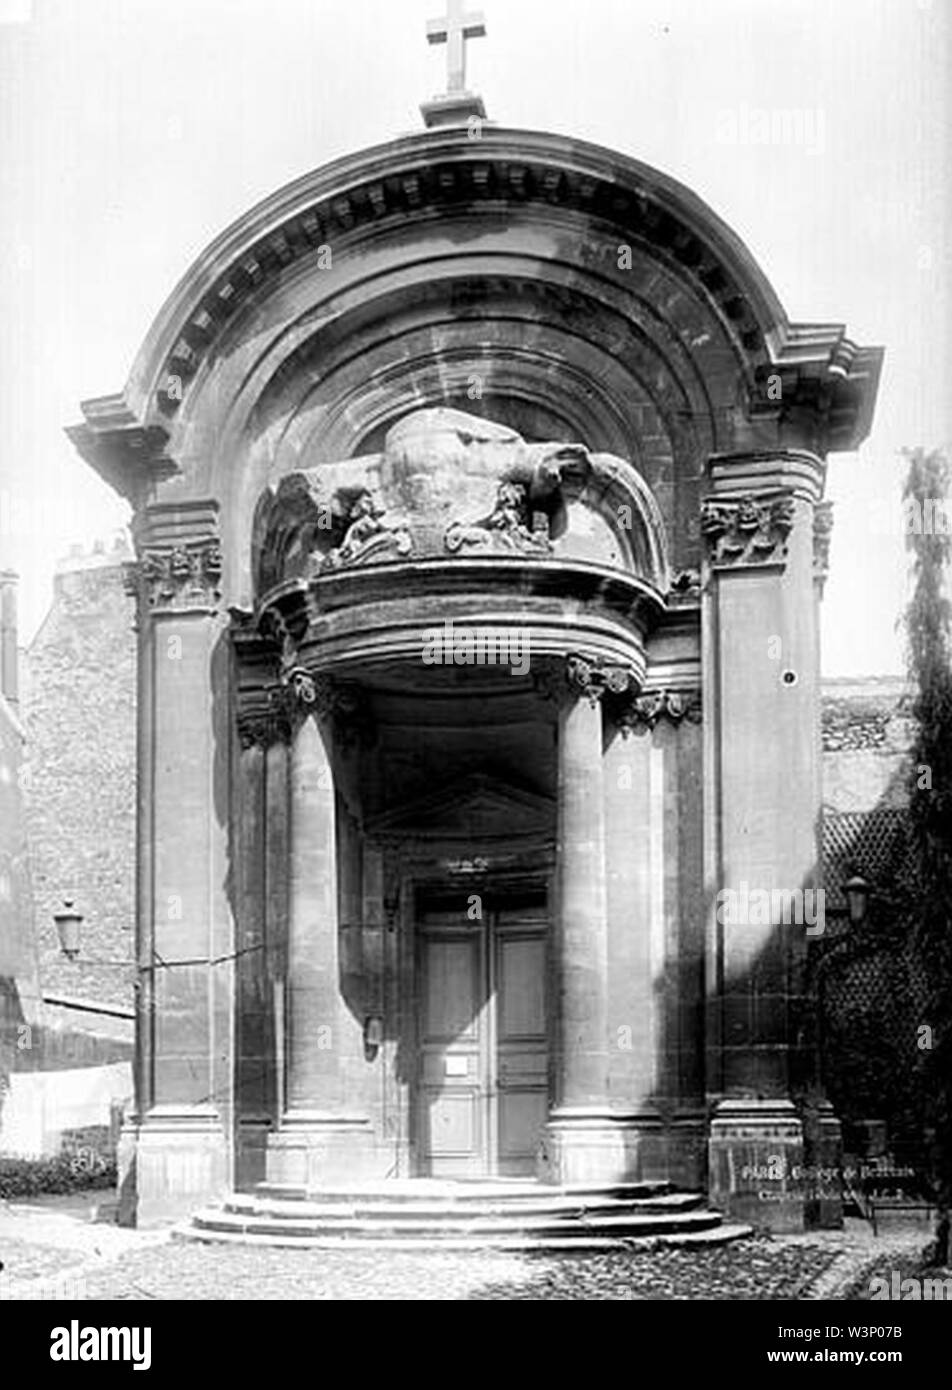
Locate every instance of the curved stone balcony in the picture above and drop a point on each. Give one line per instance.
(460, 541)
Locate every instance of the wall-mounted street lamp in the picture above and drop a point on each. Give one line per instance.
(857, 892)
(373, 1036)
(68, 922)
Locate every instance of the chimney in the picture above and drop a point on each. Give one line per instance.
(8, 636)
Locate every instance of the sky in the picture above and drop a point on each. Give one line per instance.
(133, 131)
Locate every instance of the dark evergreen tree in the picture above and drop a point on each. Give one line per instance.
(927, 623)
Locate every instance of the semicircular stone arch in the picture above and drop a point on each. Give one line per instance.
(542, 354)
(586, 294)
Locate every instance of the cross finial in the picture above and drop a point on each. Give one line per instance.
(454, 29)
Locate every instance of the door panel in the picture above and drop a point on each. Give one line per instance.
(483, 1093)
(452, 1109)
(521, 1044)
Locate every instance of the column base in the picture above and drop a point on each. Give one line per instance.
(171, 1161)
(687, 1149)
(755, 1163)
(313, 1150)
(251, 1150)
(599, 1147)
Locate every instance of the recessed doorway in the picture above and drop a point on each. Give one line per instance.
(482, 998)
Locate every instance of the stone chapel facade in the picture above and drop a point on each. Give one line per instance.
(474, 480)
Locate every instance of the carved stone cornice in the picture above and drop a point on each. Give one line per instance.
(747, 530)
(822, 536)
(642, 712)
(128, 454)
(426, 176)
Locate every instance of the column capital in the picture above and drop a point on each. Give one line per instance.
(641, 713)
(179, 561)
(567, 678)
(265, 720)
(747, 530)
(307, 693)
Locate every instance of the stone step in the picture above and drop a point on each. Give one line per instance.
(437, 1228)
(457, 1192)
(560, 1206)
(423, 1213)
(577, 1240)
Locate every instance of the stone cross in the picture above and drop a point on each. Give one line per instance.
(454, 30)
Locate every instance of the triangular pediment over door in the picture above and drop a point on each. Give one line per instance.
(477, 807)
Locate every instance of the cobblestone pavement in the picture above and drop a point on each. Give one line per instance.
(752, 1269)
(40, 1244)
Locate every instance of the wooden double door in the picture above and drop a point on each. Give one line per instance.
(482, 1012)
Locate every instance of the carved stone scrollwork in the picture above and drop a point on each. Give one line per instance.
(746, 531)
(642, 713)
(511, 525)
(178, 579)
(327, 698)
(303, 688)
(822, 536)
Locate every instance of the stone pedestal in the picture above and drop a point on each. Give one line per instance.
(756, 1161)
(171, 1162)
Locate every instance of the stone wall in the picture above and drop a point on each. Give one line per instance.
(19, 980)
(79, 712)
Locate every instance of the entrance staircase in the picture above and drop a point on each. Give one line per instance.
(507, 1214)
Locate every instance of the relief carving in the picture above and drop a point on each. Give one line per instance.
(178, 579)
(747, 531)
(643, 712)
(509, 526)
(368, 537)
(594, 679)
(822, 536)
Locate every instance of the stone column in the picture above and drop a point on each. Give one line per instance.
(761, 811)
(634, 882)
(650, 936)
(177, 1155)
(276, 881)
(322, 1137)
(582, 1141)
(254, 1061)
